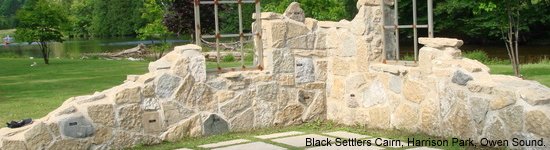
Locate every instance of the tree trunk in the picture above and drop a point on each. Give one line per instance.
(45, 54)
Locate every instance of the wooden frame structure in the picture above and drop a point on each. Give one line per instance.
(256, 31)
(414, 26)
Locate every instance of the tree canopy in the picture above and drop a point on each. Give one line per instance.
(40, 22)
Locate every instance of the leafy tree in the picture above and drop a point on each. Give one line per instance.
(153, 10)
(319, 9)
(40, 22)
(180, 17)
(7, 12)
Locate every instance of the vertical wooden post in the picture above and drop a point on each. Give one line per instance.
(258, 28)
(383, 25)
(241, 34)
(197, 22)
(415, 32)
(430, 19)
(217, 34)
(396, 26)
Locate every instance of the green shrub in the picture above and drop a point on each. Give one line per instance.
(229, 58)
(249, 57)
(408, 57)
(478, 55)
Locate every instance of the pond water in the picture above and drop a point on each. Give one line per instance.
(74, 48)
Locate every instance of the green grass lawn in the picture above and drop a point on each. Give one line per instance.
(32, 92)
(538, 72)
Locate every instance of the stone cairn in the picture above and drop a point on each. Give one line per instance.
(314, 70)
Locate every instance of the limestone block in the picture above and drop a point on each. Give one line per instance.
(130, 117)
(183, 93)
(197, 66)
(321, 41)
(242, 102)
(267, 111)
(275, 33)
(537, 122)
(69, 144)
(38, 136)
(214, 124)
(484, 86)
(294, 12)
(148, 90)
(478, 108)
(268, 16)
(494, 130)
(152, 123)
(286, 79)
(129, 94)
(201, 98)
(290, 115)
(374, 95)
(380, 117)
(393, 69)
(302, 42)
(305, 70)
(311, 24)
(512, 117)
(473, 65)
(76, 126)
(321, 70)
(166, 85)
(405, 117)
(224, 95)
(460, 77)
(159, 65)
(535, 94)
(348, 46)
(283, 61)
(340, 66)
(295, 29)
(266, 92)
(459, 121)
(182, 48)
(503, 98)
(414, 91)
(174, 113)
(102, 135)
(97, 96)
(150, 104)
(395, 84)
(243, 122)
(102, 114)
(316, 111)
(440, 42)
(189, 127)
(429, 116)
(13, 144)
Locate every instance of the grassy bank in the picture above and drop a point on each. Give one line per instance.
(539, 72)
(5, 32)
(32, 92)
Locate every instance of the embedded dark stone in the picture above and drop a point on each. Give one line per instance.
(76, 127)
(214, 124)
(461, 78)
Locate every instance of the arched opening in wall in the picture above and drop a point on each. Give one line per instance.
(232, 39)
(393, 49)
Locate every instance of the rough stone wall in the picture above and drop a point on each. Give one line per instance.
(177, 98)
(445, 95)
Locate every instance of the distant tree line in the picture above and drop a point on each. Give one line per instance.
(110, 18)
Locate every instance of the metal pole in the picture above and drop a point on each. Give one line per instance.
(396, 21)
(415, 32)
(217, 34)
(197, 22)
(259, 35)
(430, 19)
(241, 34)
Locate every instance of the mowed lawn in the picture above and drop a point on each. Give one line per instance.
(32, 92)
(538, 72)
